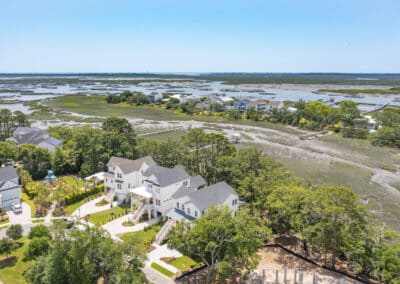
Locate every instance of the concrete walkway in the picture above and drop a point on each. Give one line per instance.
(160, 252)
(90, 207)
(115, 227)
(154, 276)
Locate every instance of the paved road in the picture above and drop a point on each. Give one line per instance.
(25, 227)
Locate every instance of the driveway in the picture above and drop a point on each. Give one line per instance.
(90, 207)
(21, 218)
(115, 227)
(154, 276)
(160, 252)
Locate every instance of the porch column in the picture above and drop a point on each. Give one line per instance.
(148, 208)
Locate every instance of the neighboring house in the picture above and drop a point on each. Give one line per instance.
(258, 105)
(33, 135)
(159, 190)
(273, 104)
(10, 191)
(241, 105)
(155, 97)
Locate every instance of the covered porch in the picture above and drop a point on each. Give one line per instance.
(142, 200)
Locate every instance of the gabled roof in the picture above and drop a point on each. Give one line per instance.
(166, 176)
(34, 137)
(129, 166)
(213, 195)
(197, 181)
(25, 130)
(53, 141)
(8, 173)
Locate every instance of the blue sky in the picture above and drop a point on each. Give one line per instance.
(200, 36)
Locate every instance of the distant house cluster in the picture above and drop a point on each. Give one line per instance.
(170, 192)
(33, 135)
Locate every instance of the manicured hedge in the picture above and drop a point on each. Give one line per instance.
(78, 196)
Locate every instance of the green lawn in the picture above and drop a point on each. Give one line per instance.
(162, 270)
(11, 270)
(106, 216)
(167, 136)
(183, 263)
(146, 236)
(74, 181)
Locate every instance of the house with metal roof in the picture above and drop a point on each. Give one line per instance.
(10, 191)
(33, 135)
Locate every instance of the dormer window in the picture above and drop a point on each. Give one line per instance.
(185, 183)
(188, 211)
(177, 205)
(183, 207)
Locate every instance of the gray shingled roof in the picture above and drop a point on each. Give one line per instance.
(7, 173)
(34, 137)
(25, 130)
(166, 176)
(194, 184)
(212, 195)
(128, 166)
(53, 141)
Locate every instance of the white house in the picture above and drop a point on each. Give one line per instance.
(125, 174)
(10, 191)
(161, 191)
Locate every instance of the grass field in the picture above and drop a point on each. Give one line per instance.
(162, 270)
(105, 216)
(363, 151)
(97, 106)
(165, 136)
(12, 269)
(391, 91)
(325, 173)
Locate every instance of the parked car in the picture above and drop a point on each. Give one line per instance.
(16, 208)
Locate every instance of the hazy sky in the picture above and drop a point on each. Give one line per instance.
(200, 36)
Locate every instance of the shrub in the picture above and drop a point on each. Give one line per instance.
(39, 231)
(78, 196)
(14, 232)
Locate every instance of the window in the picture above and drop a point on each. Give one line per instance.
(188, 211)
(158, 202)
(177, 205)
(195, 213)
(185, 183)
(183, 207)
(106, 179)
(119, 186)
